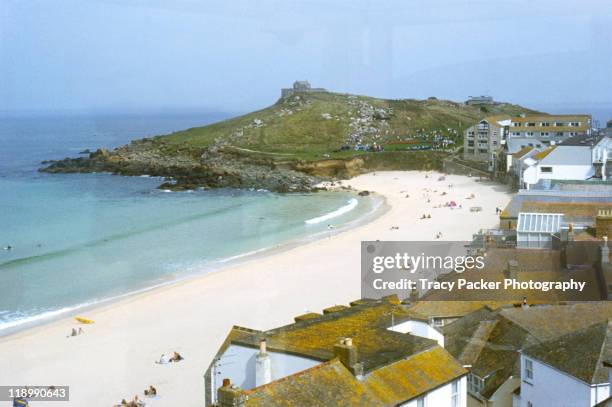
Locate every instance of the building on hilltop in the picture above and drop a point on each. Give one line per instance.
(373, 353)
(300, 87)
(479, 100)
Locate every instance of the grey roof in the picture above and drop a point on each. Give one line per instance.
(514, 144)
(515, 205)
(582, 140)
(580, 353)
(569, 154)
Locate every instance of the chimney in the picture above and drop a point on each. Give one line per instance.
(512, 269)
(347, 353)
(263, 365)
(605, 251)
(229, 395)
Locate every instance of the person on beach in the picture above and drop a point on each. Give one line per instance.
(150, 392)
(163, 359)
(176, 357)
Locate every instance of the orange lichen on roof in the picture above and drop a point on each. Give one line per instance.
(581, 209)
(327, 384)
(448, 309)
(335, 308)
(542, 154)
(406, 379)
(366, 324)
(307, 316)
(522, 152)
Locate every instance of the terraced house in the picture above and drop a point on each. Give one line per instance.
(549, 129)
(369, 354)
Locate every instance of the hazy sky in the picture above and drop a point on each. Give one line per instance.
(235, 55)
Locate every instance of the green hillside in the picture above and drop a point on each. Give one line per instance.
(314, 126)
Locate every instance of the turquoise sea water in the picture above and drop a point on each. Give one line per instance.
(78, 239)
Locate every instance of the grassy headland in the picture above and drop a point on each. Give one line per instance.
(290, 144)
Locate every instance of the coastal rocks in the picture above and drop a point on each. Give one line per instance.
(364, 193)
(189, 169)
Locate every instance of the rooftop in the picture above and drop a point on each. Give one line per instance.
(366, 323)
(582, 140)
(490, 340)
(331, 384)
(580, 353)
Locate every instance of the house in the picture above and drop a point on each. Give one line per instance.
(579, 202)
(300, 87)
(577, 158)
(368, 353)
(482, 141)
(494, 344)
(479, 100)
(549, 129)
(568, 370)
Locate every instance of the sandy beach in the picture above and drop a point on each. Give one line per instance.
(115, 357)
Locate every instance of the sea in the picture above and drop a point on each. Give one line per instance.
(73, 241)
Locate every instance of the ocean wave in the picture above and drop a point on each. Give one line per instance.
(350, 205)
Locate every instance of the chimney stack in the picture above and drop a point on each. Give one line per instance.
(512, 269)
(229, 395)
(346, 352)
(263, 365)
(605, 251)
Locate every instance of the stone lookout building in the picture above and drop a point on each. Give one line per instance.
(300, 87)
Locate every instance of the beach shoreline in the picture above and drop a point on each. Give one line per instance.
(379, 207)
(193, 316)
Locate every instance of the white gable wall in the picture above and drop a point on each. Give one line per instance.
(442, 396)
(238, 364)
(419, 328)
(551, 387)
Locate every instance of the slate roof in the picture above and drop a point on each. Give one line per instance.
(542, 154)
(409, 378)
(564, 202)
(331, 384)
(491, 340)
(580, 353)
(449, 309)
(582, 140)
(365, 323)
(537, 265)
(522, 152)
(327, 384)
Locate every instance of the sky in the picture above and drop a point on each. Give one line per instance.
(232, 56)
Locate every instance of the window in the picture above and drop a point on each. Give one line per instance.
(531, 124)
(437, 322)
(545, 124)
(528, 369)
(475, 384)
(421, 402)
(455, 394)
(547, 170)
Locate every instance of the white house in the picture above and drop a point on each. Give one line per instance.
(568, 371)
(392, 358)
(581, 157)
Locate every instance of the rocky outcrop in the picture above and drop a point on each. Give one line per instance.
(186, 170)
